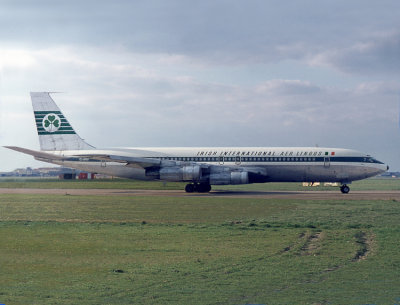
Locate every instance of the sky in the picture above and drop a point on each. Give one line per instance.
(204, 73)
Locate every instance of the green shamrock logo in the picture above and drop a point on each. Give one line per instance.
(51, 122)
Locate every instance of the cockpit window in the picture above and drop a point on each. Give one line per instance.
(372, 160)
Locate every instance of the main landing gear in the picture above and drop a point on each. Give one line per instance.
(197, 188)
(344, 189)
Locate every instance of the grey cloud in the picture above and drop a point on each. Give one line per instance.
(288, 87)
(377, 55)
(216, 32)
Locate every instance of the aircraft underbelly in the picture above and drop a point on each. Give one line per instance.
(320, 173)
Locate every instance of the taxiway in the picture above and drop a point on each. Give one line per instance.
(302, 195)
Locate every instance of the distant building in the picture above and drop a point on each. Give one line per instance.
(391, 175)
(46, 172)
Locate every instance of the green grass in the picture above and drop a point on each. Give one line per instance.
(117, 183)
(63, 249)
(385, 184)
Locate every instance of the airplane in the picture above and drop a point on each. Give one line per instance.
(200, 167)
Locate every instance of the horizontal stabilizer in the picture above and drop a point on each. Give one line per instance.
(35, 153)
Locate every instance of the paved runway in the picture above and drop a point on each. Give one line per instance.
(304, 195)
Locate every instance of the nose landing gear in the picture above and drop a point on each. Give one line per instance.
(344, 189)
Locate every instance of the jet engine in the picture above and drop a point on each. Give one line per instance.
(225, 178)
(182, 173)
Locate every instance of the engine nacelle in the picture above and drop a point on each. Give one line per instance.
(225, 178)
(183, 173)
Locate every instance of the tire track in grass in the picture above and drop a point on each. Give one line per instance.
(312, 244)
(365, 243)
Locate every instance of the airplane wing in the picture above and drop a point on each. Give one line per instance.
(136, 162)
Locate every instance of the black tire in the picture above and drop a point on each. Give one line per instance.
(203, 188)
(189, 188)
(344, 189)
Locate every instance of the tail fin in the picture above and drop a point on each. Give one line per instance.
(54, 130)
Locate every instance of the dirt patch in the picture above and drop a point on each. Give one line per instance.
(312, 244)
(365, 242)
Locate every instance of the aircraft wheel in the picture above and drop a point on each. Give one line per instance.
(344, 189)
(203, 188)
(189, 188)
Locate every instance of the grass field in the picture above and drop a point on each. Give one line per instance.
(63, 249)
(89, 184)
(368, 184)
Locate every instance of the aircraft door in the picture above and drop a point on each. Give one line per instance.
(237, 160)
(327, 162)
(221, 160)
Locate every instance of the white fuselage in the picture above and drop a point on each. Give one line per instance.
(268, 164)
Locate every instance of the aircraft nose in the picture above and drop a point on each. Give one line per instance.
(383, 168)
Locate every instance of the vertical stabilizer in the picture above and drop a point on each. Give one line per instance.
(54, 130)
